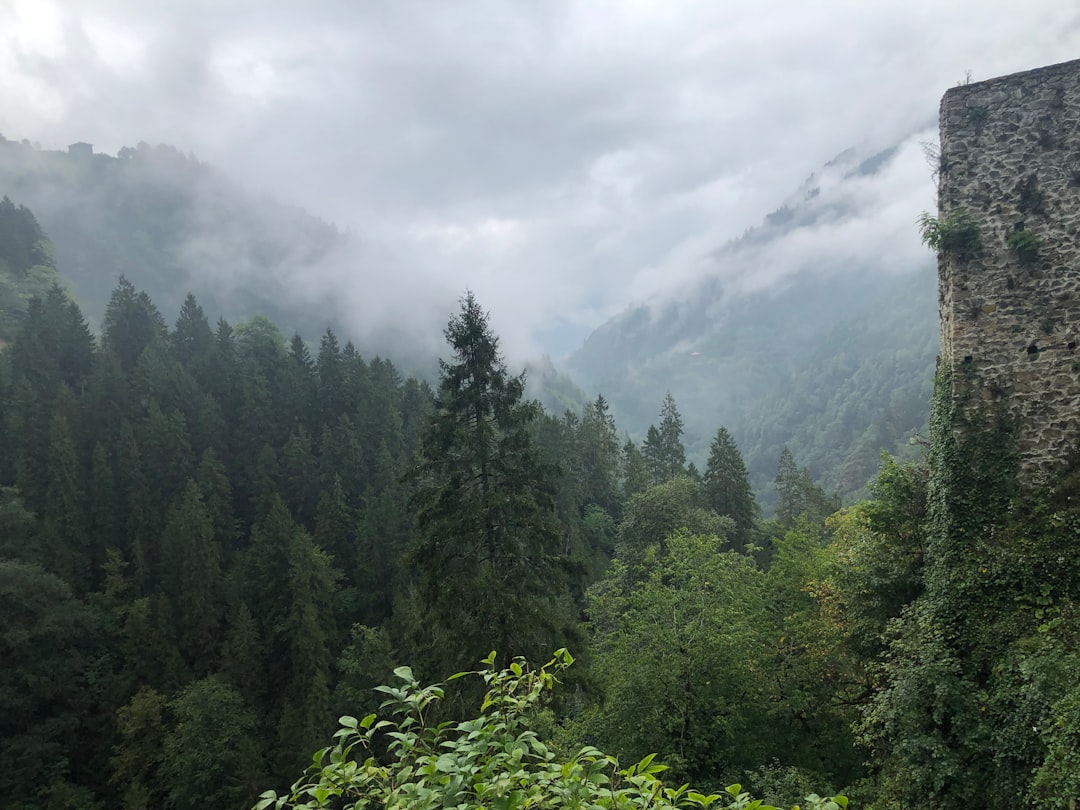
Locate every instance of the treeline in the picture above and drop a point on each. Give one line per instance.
(215, 541)
(835, 366)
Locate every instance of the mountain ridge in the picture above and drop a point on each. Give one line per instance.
(774, 313)
(738, 351)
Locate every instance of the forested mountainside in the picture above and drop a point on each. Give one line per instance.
(27, 268)
(215, 541)
(171, 224)
(831, 360)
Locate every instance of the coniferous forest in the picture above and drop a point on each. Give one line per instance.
(216, 539)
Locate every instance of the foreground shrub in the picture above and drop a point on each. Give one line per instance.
(493, 761)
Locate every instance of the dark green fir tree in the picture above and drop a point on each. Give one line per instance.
(663, 449)
(726, 487)
(490, 569)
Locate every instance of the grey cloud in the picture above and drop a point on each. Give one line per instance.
(560, 158)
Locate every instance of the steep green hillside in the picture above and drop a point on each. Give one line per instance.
(172, 225)
(26, 265)
(862, 387)
(834, 359)
(837, 369)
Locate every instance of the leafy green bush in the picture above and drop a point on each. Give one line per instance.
(1057, 782)
(493, 761)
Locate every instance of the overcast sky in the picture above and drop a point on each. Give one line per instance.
(561, 159)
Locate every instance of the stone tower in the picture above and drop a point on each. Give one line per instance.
(1009, 259)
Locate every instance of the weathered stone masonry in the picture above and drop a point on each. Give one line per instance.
(1010, 312)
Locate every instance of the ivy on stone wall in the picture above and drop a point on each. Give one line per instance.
(980, 679)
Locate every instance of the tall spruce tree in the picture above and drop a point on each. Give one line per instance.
(599, 440)
(300, 474)
(798, 494)
(663, 448)
(384, 531)
(331, 399)
(308, 633)
(132, 323)
(191, 578)
(726, 487)
(300, 382)
(488, 558)
(64, 519)
(193, 341)
(635, 471)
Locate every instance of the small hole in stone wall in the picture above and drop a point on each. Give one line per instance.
(967, 361)
(1032, 349)
(1071, 345)
(1010, 283)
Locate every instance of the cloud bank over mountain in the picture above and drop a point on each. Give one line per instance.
(561, 159)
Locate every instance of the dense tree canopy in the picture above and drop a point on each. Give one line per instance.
(214, 540)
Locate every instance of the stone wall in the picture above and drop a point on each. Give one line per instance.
(1010, 305)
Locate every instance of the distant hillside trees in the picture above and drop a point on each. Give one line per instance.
(27, 269)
